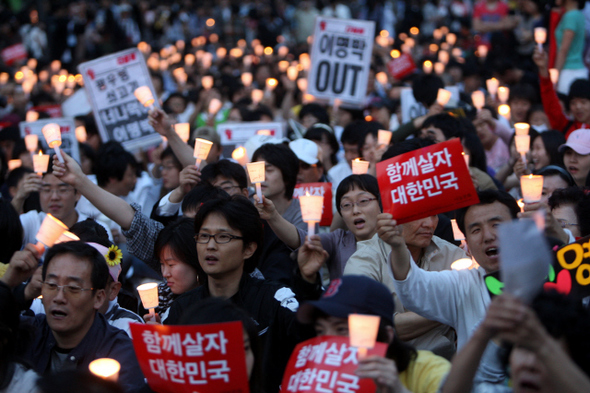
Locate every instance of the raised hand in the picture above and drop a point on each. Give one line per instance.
(68, 172)
(266, 209)
(384, 373)
(21, 267)
(311, 257)
(389, 231)
(160, 121)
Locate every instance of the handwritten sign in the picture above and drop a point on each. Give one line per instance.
(327, 364)
(67, 127)
(341, 59)
(256, 171)
(110, 82)
(184, 359)
(318, 189)
(572, 271)
(426, 182)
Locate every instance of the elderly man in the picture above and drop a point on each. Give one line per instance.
(72, 333)
(430, 253)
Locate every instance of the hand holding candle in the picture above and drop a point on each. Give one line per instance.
(202, 148)
(256, 173)
(522, 143)
(52, 134)
(532, 188)
(149, 297)
(311, 211)
(540, 37)
(363, 332)
(145, 97)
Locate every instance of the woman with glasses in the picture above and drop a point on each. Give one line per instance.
(358, 202)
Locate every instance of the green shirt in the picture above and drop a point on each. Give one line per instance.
(574, 21)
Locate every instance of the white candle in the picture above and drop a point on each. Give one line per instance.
(81, 135)
(382, 78)
(31, 142)
(239, 154)
(257, 96)
(271, 84)
(451, 39)
(311, 210)
(40, 163)
(384, 137)
(202, 148)
(504, 111)
(521, 128)
(32, 116)
(52, 134)
(360, 167)
(457, 234)
(482, 50)
(105, 368)
(503, 94)
(443, 97)
(554, 75)
(183, 131)
(247, 79)
(427, 67)
(461, 264)
(207, 82)
(256, 173)
(149, 296)
(67, 236)
(532, 188)
(292, 73)
(492, 86)
(439, 68)
(540, 37)
(479, 99)
(302, 84)
(144, 96)
(50, 230)
(363, 331)
(13, 164)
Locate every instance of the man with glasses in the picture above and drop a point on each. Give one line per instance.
(58, 199)
(72, 333)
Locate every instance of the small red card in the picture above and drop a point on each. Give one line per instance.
(401, 67)
(425, 182)
(318, 189)
(185, 359)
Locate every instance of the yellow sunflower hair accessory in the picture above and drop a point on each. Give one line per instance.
(114, 256)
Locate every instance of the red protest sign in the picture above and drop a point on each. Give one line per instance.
(184, 359)
(327, 364)
(402, 66)
(13, 53)
(318, 189)
(426, 182)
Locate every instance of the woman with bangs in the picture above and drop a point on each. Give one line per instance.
(357, 200)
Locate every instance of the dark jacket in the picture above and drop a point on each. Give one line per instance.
(272, 307)
(101, 341)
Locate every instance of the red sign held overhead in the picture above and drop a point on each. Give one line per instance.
(401, 67)
(426, 182)
(184, 359)
(318, 189)
(14, 53)
(327, 365)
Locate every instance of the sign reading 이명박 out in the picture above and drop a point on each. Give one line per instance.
(341, 59)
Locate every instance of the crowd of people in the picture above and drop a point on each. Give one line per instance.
(219, 252)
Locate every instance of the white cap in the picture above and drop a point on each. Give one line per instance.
(306, 150)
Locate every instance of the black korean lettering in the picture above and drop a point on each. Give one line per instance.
(112, 79)
(123, 75)
(100, 84)
(122, 90)
(327, 44)
(133, 85)
(112, 97)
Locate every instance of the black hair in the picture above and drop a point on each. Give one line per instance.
(523, 91)
(225, 168)
(353, 134)
(11, 231)
(551, 141)
(74, 381)
(317, 132)
(112, 161)
(583, 213)
(259, 111)
(15, 175)
(369, 127)
(284, 159)
(565, 196)
(218, 310)
(168, 152)
(19, 148)
(179, 236)
(425, 89)
(83, 252)
(315, 110)
(487, 197)
(580, 88)
(91, 231)
(477, 155)
(446, 123)
(405, 147)
(364, 182)
(242, 216)
(554, 170)
(202, 193)
(88, 151)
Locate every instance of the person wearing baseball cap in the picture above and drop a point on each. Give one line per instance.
(576, 155)
(309, 154)
(403, 368)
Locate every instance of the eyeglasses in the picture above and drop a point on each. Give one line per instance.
(220, 238)
(228, 188)
(565, 224)
(361, 203)
(167, 167)
(61, 190)
(52, 288)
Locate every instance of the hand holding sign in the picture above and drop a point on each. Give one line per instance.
(256, 173)
(202, 148)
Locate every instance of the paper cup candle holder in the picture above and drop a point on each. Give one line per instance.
(492, 86)
(384, 137)
(363, 332)
(149, 296)
(311, 210)
(256, 173)
(540, 37)
(31, 142)
(183, 131)
(145, 97)
(523, 144)
(443, 96)
(40, 163)
(105, 368)
(52, 134)
(239, 154)
(479, 99)
(51, 229)
(360, 167)
(532, 188)
(202, 148)
(521, 129)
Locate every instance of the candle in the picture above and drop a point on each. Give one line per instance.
(540, 37)
(144, 96)
(302, 84)
(283, 65)
(360, 167)
(52, 134)
(520, 204)
(271, 83)
(457, 234)
(207, 82)
(257, 96)
(202, 148)
(384, 137)
(264, 132)
(81, 135)
(183, 130)
(443, 56)
(31, 142)
(311, 210)
(554, 75)
(149, 296)
(522, 143)
(32, 116)
(521, 128)
(13, 164)
(247, 79)
(482, 50)
(532, 188)
(443, 97)
(239, 154)
(292, 73)
(427, 67)
(214, 106)
(256, 173)
(503, 94)
(362, 331)
(50, 230)
(451, 39)
(439, 68)
(382, 78)
(105, 368)
(40, 163)
(67, 236)
(492, 86)
(479, 99)
(461, 264)
(466, 158)
(504, 110)
(305, 61)
(189, 59)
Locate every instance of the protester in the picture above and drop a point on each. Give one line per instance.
(576, 156)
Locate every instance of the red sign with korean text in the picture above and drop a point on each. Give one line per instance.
(53, 110)
(186, 359)
(426, 182)
(327, 365)
(14, 53)
(318, 189)
(401, 67)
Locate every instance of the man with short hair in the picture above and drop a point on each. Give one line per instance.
(72, 333)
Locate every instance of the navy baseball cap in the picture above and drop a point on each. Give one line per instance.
(351, 295)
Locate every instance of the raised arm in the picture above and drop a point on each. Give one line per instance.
(163, 126)
(284, 230)
(390, 233)
(110, 205)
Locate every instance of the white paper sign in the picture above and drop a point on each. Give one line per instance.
(341, 59)
(256, 171)
(238, 133)
(69, 143)
(110, 82)
(412, 109)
